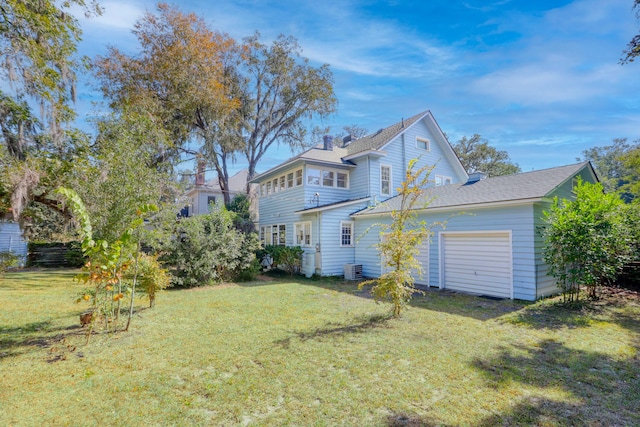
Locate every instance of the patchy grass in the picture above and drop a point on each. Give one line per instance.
(316, 352)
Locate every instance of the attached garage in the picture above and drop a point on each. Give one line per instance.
(477, 263)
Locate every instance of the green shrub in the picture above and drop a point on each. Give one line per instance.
(289, 258)
(587, 240)
(209, 249)
(8, 260)
(150, 276)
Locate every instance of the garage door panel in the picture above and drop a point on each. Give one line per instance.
(478, 263)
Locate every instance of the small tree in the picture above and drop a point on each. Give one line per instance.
(400, 241)
(586, 240)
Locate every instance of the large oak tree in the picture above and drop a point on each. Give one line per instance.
(476, 154)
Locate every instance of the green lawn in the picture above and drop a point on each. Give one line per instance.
(302, 352)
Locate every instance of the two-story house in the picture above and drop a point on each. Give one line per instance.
(308, 200)
(329, 198)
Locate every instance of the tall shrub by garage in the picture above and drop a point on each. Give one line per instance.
(587, 241)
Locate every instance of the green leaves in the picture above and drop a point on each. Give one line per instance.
(587, 240)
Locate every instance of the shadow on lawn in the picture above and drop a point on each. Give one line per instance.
(476, 307)
(607, 388)
(603, 390)
(333, 330)
(22, 339)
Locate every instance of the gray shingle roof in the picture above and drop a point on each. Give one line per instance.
(522, 186)
(378, 139)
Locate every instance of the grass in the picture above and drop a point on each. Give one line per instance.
(303, 352)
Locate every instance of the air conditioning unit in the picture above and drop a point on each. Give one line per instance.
(352, 271)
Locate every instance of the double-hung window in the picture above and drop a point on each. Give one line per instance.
(385, 180)
(302, 232)
(346, 233)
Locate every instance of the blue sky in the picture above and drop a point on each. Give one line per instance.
(539, 79)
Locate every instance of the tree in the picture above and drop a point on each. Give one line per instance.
(400, 241)
(476, 154)
(38, 42)
(281, 91)
(586, 240)
(183, 79)
(633, 48)
(615, 165)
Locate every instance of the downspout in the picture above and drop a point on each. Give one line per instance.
(369, 176)
(404, 154)
(319, 245)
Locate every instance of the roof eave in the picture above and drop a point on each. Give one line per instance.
(463, 206)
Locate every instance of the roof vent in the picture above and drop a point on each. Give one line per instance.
(346, 140)
(476, 176)
(379, 131)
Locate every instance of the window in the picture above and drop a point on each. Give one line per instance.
(211, 200)
(346, 233)
(303, 233)
(443, 180)
(282, 184)
(263, 190)
(423, 143)
(385, 180)
(290, 180)
(273, 234)
(327, 178)
(313, 176)
(269, 187)
(298, 177)
(343, 180)
(275, 185)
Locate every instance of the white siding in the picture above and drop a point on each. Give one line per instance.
(518, 220)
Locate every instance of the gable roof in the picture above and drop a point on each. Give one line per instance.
(378, 139)
(526, 186)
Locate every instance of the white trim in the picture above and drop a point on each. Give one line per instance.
(487, 205)
(296, 227)
(425, 141)
(332, 206)
(390, 180)
(352, 225)
(444, 178)
(374, 153)
(442, 234)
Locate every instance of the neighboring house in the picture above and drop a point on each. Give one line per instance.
(11, 239)
(328, 199)
(204, 193)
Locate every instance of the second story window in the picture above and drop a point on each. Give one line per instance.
(423, 143)
(313, 176)
(298, 177)
(385, 180)
(327, 178)
(443, 180)
(290, 180)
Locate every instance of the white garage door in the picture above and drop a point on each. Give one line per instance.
(478, 263)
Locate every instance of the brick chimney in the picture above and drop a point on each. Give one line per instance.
(200, 172)
(328, 142)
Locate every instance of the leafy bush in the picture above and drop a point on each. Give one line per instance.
(587, 241)
(208, 249)
(287, 257)
(8, 260)
(150, 276)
